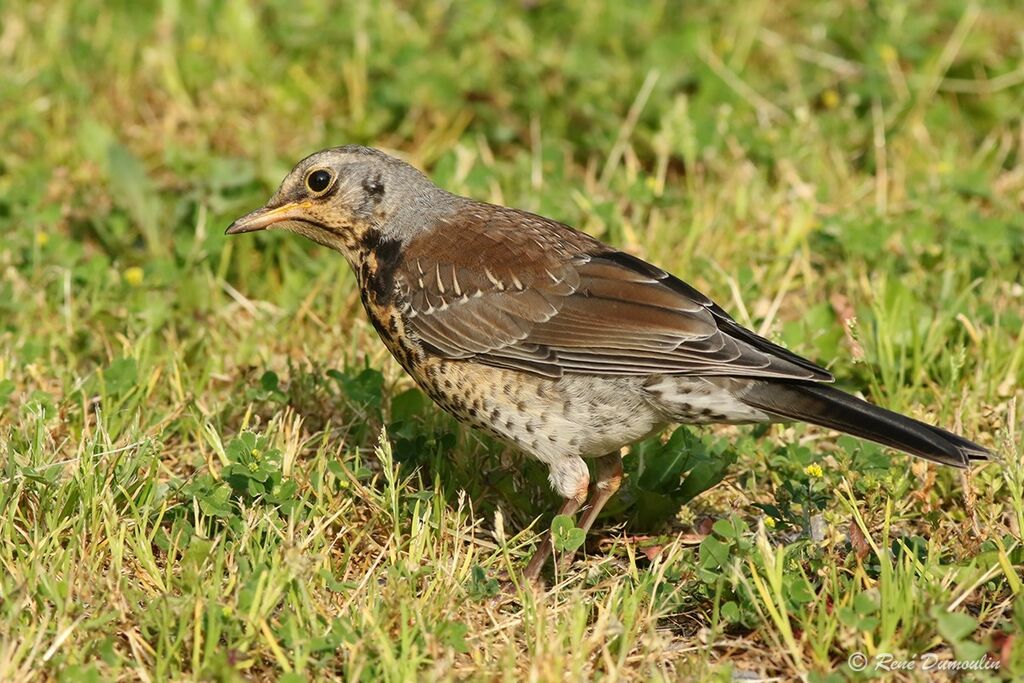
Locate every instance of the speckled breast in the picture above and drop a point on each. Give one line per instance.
(548, 418)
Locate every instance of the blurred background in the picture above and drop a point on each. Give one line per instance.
(846, 177)
(127, 124)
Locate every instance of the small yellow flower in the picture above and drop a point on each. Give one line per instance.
(814, 471)
(888, 53)
(830, 99)
(253, 467)
(134, 276)
(42, 239)
(257, 454)
(769, 522)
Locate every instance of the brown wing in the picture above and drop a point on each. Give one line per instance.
(511, 289)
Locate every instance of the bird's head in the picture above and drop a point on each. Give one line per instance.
(345, 197)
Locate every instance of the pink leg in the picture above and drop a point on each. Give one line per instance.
(543, 552)
(609, 478)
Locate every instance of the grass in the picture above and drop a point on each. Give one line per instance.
(194, 483)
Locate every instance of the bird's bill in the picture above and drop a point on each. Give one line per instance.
(263, 218)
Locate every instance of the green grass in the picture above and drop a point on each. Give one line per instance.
(845, 177)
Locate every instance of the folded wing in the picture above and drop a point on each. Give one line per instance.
(527, 293)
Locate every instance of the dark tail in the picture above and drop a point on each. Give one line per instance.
(828, 407)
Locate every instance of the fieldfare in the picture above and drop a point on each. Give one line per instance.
(549, 339)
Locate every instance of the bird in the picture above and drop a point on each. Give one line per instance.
(545, 337)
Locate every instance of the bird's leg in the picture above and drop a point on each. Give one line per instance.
(609, 478)
(543, 552)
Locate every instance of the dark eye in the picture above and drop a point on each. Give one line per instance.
(317, 181)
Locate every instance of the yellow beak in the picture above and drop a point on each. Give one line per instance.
(263, 218)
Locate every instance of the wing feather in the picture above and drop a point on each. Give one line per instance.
(510, 289)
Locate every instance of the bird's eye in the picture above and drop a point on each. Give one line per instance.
(318, 181)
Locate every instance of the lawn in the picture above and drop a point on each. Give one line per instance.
(211, 468)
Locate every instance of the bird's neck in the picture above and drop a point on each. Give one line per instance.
(374, 260)
(377, 244)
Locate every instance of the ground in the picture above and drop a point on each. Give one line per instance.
(211, 468)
